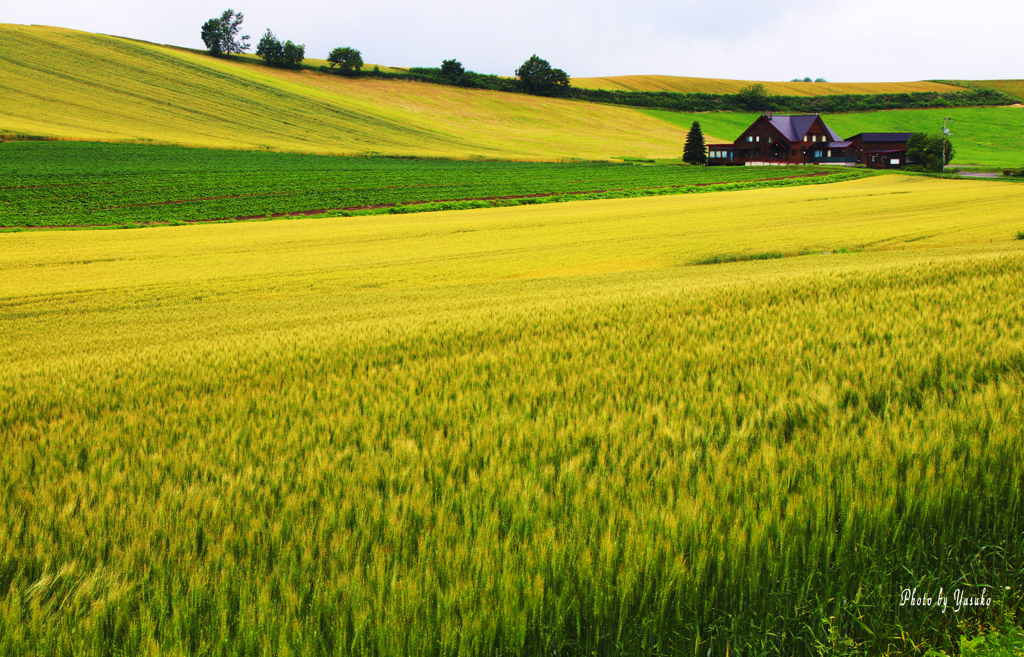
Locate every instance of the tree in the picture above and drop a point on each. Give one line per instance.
(695, 152)
(275, 53)
(537, 77)
(754, 97)
(452, 68)
(221, 34)
(348, 59)
(924, 151)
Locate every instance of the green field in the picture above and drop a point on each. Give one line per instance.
(90, 184)
(521, 431)
(992, 136)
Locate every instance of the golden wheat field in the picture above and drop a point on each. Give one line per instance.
(687, 85)
(76, 85)
(538, 430)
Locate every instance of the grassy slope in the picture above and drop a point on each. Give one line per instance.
(76, 85)
(982, 135)
(1014, 88)
(714, 86)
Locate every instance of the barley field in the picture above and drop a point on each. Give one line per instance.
(540, 430)
(688, 85)
(79, 86)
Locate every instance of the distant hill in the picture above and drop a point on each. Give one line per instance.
(66, 84)
(713, 86)
(1012, 88)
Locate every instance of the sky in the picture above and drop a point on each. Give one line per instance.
(839, 40)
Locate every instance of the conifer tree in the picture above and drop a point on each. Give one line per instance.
(694, 152)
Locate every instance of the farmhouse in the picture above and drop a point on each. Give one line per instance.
(807, 139)
(882, 150)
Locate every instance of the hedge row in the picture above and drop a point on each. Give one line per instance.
(701, 102)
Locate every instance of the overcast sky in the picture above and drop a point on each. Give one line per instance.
(840, 40)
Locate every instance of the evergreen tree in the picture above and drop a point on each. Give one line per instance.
(694, 152)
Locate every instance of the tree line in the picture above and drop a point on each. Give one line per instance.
(536, 76)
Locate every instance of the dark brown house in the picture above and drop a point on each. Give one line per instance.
(882, 150)
(806, 139)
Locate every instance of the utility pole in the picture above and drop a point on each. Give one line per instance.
(945, 131)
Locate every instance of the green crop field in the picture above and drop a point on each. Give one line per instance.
(81, 86)
(715, 86)
(90, 184)
(519, 431)
(992, 136)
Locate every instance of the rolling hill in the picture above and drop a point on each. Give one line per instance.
(66, 84)
(1013, 88)
(713, 86)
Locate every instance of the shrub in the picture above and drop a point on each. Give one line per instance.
(452, 68)
(754, 97)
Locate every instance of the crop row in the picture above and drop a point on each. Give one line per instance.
(68, 184)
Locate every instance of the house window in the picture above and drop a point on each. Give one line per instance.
(817, 153)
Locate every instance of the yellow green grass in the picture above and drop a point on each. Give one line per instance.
(76, 85)
(1014, 88)
(717, 86)
(528, 431)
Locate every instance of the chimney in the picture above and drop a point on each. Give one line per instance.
(768, 115)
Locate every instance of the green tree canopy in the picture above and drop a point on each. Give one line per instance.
(275, 53)
(221, 35)
(754, 97)
(695, 151)
(537, 77)
(924, 151)
(347, 59)
(452, 68)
